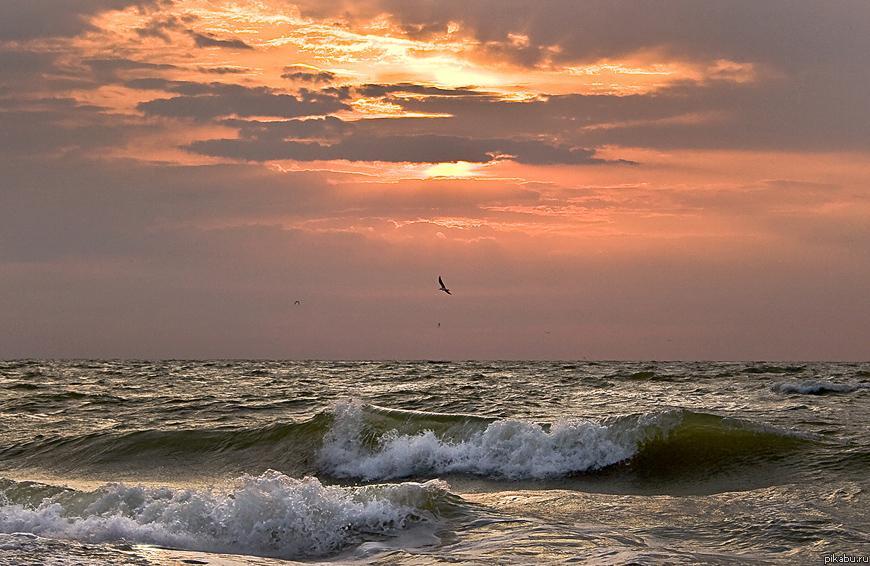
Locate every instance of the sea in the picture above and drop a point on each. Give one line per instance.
(430, 462)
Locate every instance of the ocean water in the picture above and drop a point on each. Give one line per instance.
(253, 462)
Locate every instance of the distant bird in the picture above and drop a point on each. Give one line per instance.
(439, 325)
(297, 302)
(442, 287)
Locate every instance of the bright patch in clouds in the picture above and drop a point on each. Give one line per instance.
(459, 169)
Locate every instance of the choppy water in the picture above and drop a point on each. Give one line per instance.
(420, 462)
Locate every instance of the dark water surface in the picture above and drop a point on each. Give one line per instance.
(254, 462)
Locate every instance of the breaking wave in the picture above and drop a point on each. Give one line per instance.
(268, 515)
(360, 446)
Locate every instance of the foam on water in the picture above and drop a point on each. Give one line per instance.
(269, 515)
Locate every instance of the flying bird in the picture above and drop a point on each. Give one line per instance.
(442, 287)
(297, 302)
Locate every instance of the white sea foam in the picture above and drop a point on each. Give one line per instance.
(509, 448)
(269, 515)
(816, 387)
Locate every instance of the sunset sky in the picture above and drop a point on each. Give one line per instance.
(598, 179)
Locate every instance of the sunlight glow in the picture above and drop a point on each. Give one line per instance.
(458, 169)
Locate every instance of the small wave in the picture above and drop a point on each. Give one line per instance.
(514, 449)
(23, 386)
(70, 395)
(641, 375)
(647, 374)
(269, 515)
(767, 368)
(816, 387)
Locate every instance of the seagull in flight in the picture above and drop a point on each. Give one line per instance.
(442, 287)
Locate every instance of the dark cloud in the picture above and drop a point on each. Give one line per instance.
(206, 101)
(42, 72)
(179, 87)
(160, 26)
(785, 33)
(305, 73)
(203, 40)
(20, 66)
(29, 19)
(33, 127)
(537, 153)
(813, 113)
(806, 115)
(111, 70)
(328, 127)
(563, 117)
(420, 148)
(223, 70)
(809, 60)
(112, 65)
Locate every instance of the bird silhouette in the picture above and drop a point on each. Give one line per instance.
(442, 287)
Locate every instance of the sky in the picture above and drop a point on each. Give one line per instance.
(599, 179)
